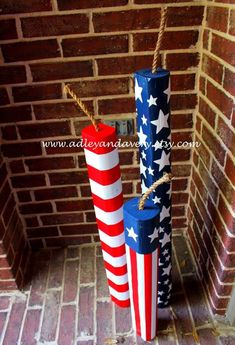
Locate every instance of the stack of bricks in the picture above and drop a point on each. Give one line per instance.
(212, 198)
(95, 46)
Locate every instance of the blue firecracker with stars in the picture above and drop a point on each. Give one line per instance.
(152, 96)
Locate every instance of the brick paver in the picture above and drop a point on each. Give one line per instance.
(67, 304)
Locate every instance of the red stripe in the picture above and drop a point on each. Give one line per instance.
(111, 230)
(115, 252)
(119, 288)
(123, 304)
(148, 293)
(106, 134)
(104, 177)
(134, 270)
(119, 271)
(109, 205)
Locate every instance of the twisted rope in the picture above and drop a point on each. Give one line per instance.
(156, 55)
(165, 178)
(82, 106)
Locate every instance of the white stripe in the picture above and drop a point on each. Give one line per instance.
(106, 192)
(104, 161)
(112, 241)
(109, 218)
(118, 261)
(121, 296)
(154, 293)
(119, 280)
(128, 259)
(141, 293)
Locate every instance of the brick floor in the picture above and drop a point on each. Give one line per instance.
(67, 303)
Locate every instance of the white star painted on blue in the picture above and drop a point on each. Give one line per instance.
(167, 92)
(150, 171)
(160, 293)
(167, 271)
(156, 200)
(167, 258)
(138, 91)
(169, 191)
(157, 145)
(161, 230)
(142, 137)
(132, 234)
(142, 168)
(166, 251)
(143, 154)
(143, 187)
(152, 101)
(166, 239)
(144, 120)
(161, 122)
(165, 212)
(163, 161)
(154, 235)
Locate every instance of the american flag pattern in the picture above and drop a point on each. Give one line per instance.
(142, 251)
(152, 95)
(106, 187)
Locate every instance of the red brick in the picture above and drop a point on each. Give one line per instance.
(21, 6)
(55, 25)
(49, 324)
(179, 184)
(95, 45)
(4, 98)
(60, 110)
(24, 196)
(61, 70)
(123, 320)
(8, 29)
(31, 221)
(217, 18)
(4, 195)
(221, 101)
(179, 223)
(213, 144)
(183, 101)
(226, 215)
(32, 50)
(101, 279)
(36, 245)
(56, 272)
(207, 113)
(179, 121)
(66, 328)
(111, 106)
(179, 198)
(67, 146)
(47, 231)
(9, 133)
(14, 322)
(156, 1)
(184, 16)
(232, 22)
(126, 20)
(229, 169)
(67, 241)
(181, 61)
(180, 82)
(223, 48)
(74, 4)
(171, 40)
(226, 134)
(229, 84)
(74, 205)
(31, 326)
(12, 74)
(87, 274)
(104, 321)
(44, 130)
(62, 218)
(22, 149)
(213, 68)
(180, 155)
(73, 177)
(202, 85)
(16, 114)
(55, 193)
(71, 281)
(181, 170)
(8, 211)
(36, 93)
(86, 310)
(34, 208)
(50, 163)
(123, 65)
(199, 184)
(203, 153)
(24, 181)
(205, 38)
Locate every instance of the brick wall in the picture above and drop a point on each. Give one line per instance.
(95, 46)
(13, 244)
(212, 197)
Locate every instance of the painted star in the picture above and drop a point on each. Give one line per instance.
(160, 293)
(169, 191)
(132, 234)
(152, 101)
(166, 251)
(142, 137)
(138, 91)
(161, 122)
(161, 263)
(166, 239)
(143, 154)
(143, 187)
(150, 171)
(144, 120)
(167, 92)
(167, 257)
(157, 145)
(167, 270)
(156, 200)
(142, 168)
(154, 235)
(165, 212)
(166, 281)
(163, 161)
(161, 230)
